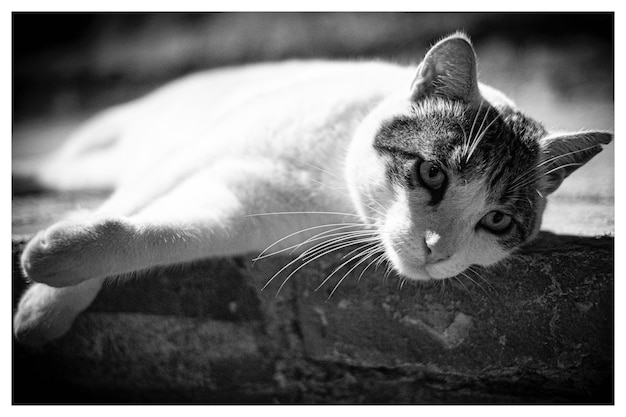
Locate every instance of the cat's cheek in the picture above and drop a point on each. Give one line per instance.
(486, 251)
(369, 190)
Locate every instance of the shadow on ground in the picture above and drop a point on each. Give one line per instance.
(536, 329)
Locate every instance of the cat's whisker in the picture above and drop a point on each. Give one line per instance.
(346, 193)
(372, 238)
(343, 190)
(325, 248)
(264, 253)
(457, 279)
(387, 273)
(573, 164)
(375, 260)
(332, 246)
(373, 209)
(364, 257)
(339, 242)
(269, 281)
(334, 238)
(299, 259)
(312, 259)
(443, 286)
(472, 128)
(474, 137)
(330, 213)
(524, 180)
(339, 246)
(364, 248)
(478, 285)
(315, 167)
(528, 182)
(382, 259)
(465, 139)
(566, 154)
(328, 236)
(479, 138)
(483, 279)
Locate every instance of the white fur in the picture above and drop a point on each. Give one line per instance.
(194, 163)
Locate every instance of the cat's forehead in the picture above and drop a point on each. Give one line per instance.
(469, 141)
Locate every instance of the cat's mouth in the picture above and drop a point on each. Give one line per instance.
(423, 272)
(411, 267)
(415, 272)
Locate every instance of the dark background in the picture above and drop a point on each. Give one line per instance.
(68, 63)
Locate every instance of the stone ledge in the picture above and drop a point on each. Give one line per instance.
(536, 329)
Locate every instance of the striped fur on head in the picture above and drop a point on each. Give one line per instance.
(465, 176)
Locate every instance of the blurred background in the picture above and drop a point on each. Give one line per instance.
(558, 68)
(68, 63)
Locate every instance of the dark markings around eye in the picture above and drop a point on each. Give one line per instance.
(497, 222)
(432, 178)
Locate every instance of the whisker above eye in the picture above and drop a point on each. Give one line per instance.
(474, 121)
(479, 138)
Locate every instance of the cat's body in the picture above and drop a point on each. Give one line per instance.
(198, 166)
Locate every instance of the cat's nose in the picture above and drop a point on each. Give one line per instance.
(435, 250)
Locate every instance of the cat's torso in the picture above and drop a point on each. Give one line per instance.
(293, 112)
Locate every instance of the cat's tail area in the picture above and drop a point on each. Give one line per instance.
(87, 160)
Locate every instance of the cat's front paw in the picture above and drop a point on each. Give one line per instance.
(40, 318)
(49, 258)
(46, 313)
(69, 253)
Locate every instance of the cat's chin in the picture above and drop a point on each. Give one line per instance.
(424, 272)
(412, 272)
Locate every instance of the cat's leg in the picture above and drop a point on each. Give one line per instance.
(45, 313)
(209, 214)
(203, 216)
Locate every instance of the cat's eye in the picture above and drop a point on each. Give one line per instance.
(432, 176)
(496, 221)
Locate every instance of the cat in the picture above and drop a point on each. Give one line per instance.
(426, 169)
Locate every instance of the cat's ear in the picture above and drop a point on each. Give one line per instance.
(448, 70)
(562, 154)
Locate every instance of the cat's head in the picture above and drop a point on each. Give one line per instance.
(451, 173)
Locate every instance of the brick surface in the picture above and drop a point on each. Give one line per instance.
(537, 328)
